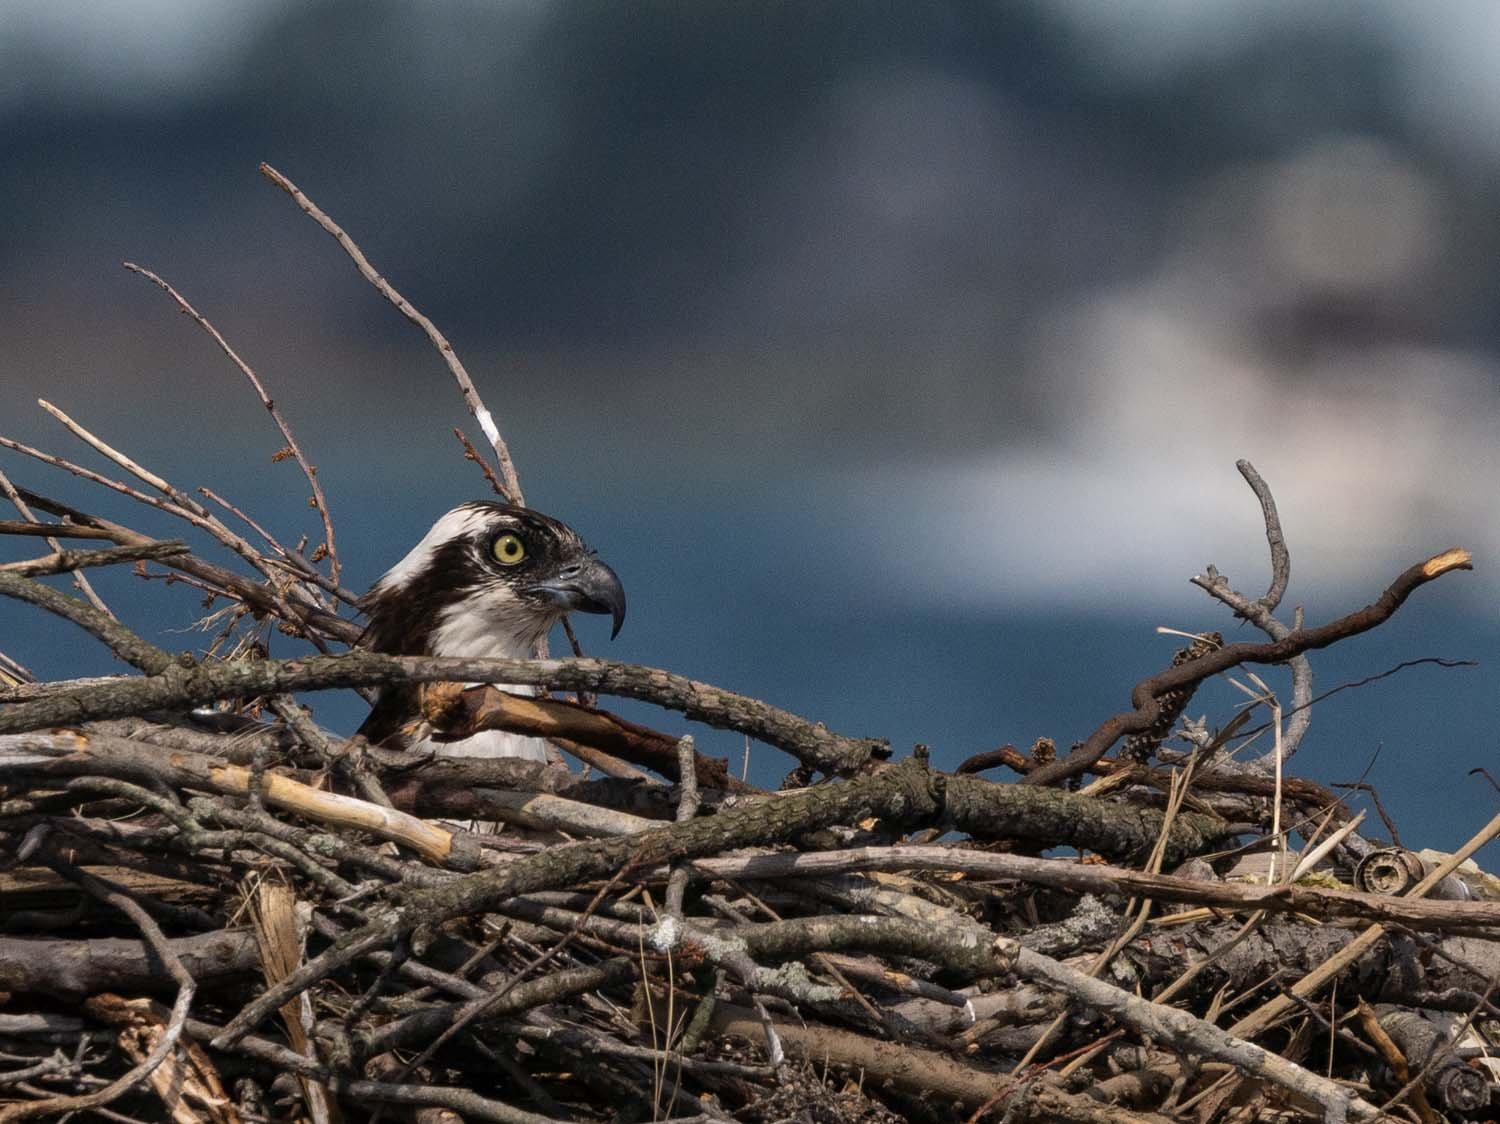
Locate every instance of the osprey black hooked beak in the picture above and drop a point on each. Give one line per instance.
(587, 586)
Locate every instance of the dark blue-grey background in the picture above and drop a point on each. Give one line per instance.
(896, 356)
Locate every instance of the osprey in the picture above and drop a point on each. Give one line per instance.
(489, 580)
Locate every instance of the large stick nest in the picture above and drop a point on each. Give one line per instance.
(215, 909)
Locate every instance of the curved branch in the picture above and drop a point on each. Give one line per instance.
(1261, 613)
(124, 643)
(407, 309)
(1281, 559)
(1144, 697)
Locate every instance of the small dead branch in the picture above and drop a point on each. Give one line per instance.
(319, 500)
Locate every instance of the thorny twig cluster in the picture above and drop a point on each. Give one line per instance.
(216, 910)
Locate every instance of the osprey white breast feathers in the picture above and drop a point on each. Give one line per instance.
(488, 580)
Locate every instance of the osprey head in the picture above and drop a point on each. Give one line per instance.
(488, 579)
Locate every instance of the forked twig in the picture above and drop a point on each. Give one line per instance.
(1261, 612)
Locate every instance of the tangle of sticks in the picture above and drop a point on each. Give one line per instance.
(214, 908)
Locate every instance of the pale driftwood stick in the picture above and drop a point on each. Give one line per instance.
(183, 769)
(181, 504)
(308, 469)
(512, 490)
(80, 580)
(1144, 696)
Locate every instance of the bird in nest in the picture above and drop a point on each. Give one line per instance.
(488, 580)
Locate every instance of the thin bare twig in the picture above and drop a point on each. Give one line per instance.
(512, 489)
(181, 504)
(308, 469)
(295, 560)
(473, 454)
(69, 561)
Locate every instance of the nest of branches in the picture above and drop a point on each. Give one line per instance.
(215, 909)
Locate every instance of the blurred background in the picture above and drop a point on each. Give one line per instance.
(897, 357)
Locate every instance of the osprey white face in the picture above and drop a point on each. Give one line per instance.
(488, 577)
(488, 580)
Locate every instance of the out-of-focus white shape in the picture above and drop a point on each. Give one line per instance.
(1445, 75)
(85, 51)
(1348, 212)
(1285, 325)
(1376, 460)
(1146, 39)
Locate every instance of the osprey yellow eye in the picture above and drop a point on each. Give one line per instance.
(508, 549)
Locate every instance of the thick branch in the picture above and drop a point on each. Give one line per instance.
(475, 709)
(74, 968)
(810, 742)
